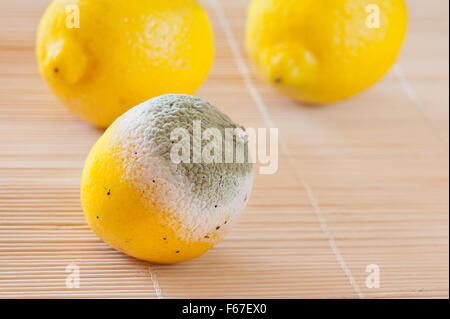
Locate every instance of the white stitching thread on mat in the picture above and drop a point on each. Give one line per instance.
(223, 21)
(155, 282)
(331, 241)
(412, 96)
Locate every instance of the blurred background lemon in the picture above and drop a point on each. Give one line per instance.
(103, 57)
(324, 51)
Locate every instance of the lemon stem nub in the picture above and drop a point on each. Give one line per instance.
(66, 61)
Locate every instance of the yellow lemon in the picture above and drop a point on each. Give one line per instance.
(319, 51)
(143, 201)
(103, 57)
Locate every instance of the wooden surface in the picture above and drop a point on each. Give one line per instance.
(361, 182)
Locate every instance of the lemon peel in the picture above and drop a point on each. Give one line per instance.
(141, 197)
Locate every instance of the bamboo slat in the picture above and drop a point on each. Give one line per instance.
(361, 182)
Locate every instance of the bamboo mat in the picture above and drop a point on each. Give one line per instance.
(361, 182)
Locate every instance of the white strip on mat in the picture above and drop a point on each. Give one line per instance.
(412, 96)
(223, 21)
(155, 282)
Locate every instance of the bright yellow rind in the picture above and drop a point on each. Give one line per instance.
(123, 53)
(323, 51)
(120, 215)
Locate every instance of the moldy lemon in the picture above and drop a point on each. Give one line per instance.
(122, 53)
(141, 202)
(320, 51)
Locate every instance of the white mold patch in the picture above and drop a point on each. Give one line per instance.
(197, 200)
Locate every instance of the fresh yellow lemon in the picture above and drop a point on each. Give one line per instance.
(145, 202)
(319, 51)
(103, 57)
